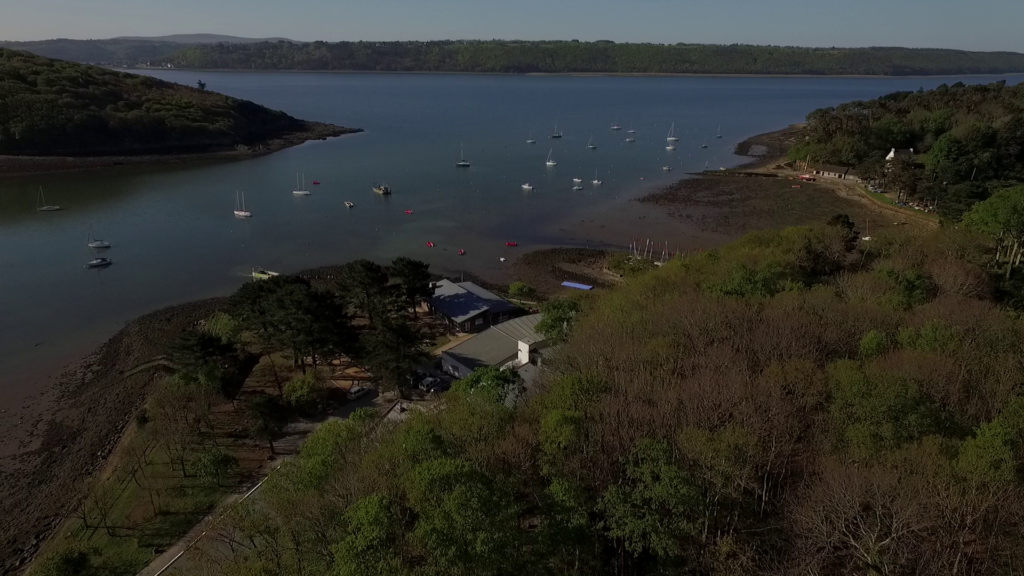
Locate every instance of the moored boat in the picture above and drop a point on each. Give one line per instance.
(383, 189)
(259, 273)
(99, 263)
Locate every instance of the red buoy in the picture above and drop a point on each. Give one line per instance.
(511, 243)
(462, 252)
(431, 244)
(408, 211)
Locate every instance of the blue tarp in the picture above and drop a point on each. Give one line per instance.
(577, 286)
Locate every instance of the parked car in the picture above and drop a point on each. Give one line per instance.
(428, 383)
(357, 392)
(441, 387)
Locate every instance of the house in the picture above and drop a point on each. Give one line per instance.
(837, 172)
(469, 308)
(907, 153)
(514, 344)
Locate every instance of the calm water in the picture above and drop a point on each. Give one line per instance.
(175, 238)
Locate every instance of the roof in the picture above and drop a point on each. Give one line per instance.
(464, 300)
(498, 344)
(832, 168)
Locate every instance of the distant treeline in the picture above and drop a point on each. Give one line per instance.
(50, 107)
(118, 51)
(593, 57)
(968, 141)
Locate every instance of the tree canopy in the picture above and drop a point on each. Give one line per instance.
(572, 56)
(52, 107)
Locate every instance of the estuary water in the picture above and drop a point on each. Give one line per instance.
(175, 238)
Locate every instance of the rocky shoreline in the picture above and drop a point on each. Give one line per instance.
(26, 165)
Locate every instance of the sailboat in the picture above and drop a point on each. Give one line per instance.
(670, 146)
(551, 162)
(591, 144)
(631, 131)
(99, 263)
(577, 187)
(719, 135)
(596, 181)
(703, 145)
(301, 190)
(672, 134)
(462, 159)
(42, 206)
(240, 210)
(615, 126)
(530, 140)
(556, 133)
(577, 180)
(96, 243)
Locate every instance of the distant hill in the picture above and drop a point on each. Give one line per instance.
(50, 107)
(593, 57)
(203, 39)
(126, 50)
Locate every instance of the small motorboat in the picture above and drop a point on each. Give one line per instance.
(577, 187)
(383, 189)
(666, 168)
(501, 259)
(630, 139)
(670, 147)
(577, 180)
(511, 243)
(316, 182)
(99, 263)
(527, 186)
(261, 274)
(430, 244)
(462, 252)
(408, 211)
(703, 145)
(349, 205)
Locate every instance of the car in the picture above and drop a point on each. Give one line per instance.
(427, 383)
(357, 392)
(441, 387)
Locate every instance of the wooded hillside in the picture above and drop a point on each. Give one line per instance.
(51, 107)
(608, 57)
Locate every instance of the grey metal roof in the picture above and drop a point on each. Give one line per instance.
(496, 345)
(522, 329)
(465, 300)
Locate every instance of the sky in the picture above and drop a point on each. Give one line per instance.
(963, 24)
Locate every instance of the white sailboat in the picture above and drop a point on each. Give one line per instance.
(719, 135)
(596, 181)
(99, 263)
(551, 162)
(96, 243)
(462, 158)
(528, 187)
(301, 190)
(577, 187)
(42, 206)
(530, 140)
(240, 210)
(631, 131)
(590, 144)
(670, 147)
(615, 125)
(556, 133)
(672, 134)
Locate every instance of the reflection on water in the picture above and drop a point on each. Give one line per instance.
(175, 238)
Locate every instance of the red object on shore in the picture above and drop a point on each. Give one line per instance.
(431, 244)
(316, 182)
(511, 243)
(462, 252)
(408, 211)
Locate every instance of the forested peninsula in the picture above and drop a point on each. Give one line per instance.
(959, 144)
(592, 57)
(56, 108)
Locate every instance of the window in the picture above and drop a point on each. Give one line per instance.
(478, 321)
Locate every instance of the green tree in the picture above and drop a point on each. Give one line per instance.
(266, 417)
(521, 291)
(213, 465)
(392, 349)
(559, 316)
(1002, 217)
(305, 393)
(68, 560)
(364, 285)
(494, 383)
(413, 277)
(372, 540)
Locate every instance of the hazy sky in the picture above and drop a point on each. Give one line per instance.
(966, 24)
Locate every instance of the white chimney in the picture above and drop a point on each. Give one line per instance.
(524, 354)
